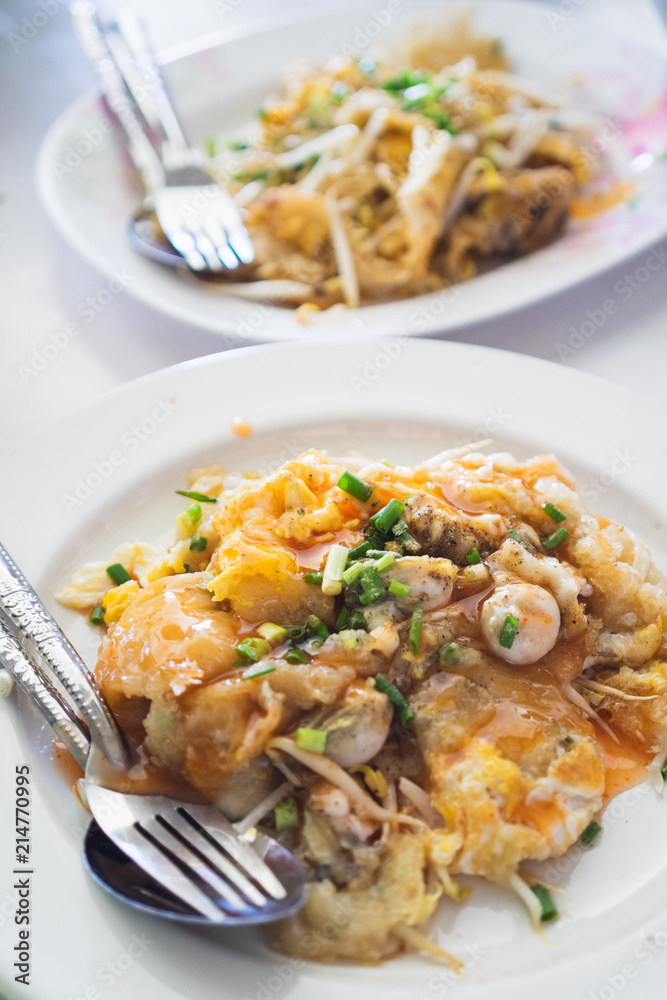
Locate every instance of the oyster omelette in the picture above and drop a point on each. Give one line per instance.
(408, 673)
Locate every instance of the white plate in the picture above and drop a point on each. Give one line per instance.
(108, 473)
(90, 190)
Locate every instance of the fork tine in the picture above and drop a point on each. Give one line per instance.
(164, 870)
(227, 839)
(185, 244)
(241, 243)
(207, 249)
(218, 237)
(209, 860)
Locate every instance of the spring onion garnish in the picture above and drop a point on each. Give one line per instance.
(314, 577)
(508, 632)
(557, 538)
(253, 649)
(317, 627)
(342, 620)
(405, 713)
(386, 518)
(590, 833)
(258, 670)
(355, 487)
(385, 561)
(296, 656)
(295, 633)
(358, 621)
(314, 740)
(407, 541)
(517, 537)
(568, 739)
(352, 572)
(663, 771)
(549, 911)
(554, 513)
(416, 628)
(198, 543)
(192, 515)
(118, 574)
(398, 588)
(372, 589)
(360, 550)
(473, 557)
(286, 815)
(332, 579)
(193, 495)
(275, 635)
(450, 653)
(97, 615)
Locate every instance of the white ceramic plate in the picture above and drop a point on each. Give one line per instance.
(108, 473)
(90, 190)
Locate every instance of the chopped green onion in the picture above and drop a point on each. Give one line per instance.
(450, 653)
(590, 833)
(253, 649)
(295, 633)
(473, 557)
(358, 621)
(118, 574)
(301, 511)
(275, 635)
(557, 538)
(568, 739)
(407, 541)
(312, 576)
(317, 627)
(296, 656)
(343, 619)
(386, 560)
(508, 632)
(355, 487)
(517, 537)
(398, 588)
(238, 145)
(286, 815)
(198, 543)
(332, 579)
(209, 146)
(352, 572)
(258, 670)
(360, 550)
(97, 615)
(372, 589)
(405, 713)
(554, 513)
(314, 740)
(663, 771)
(193, 495)
(386, 518)
(416, 628)
(191, 516)
(549, 911)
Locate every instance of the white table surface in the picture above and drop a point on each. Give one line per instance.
(43, 281)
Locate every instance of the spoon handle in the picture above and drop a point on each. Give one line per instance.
(22, 606)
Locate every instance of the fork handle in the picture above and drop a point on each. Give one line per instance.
(54, 709)
(26, 612)
(147, 84)
(118, 97)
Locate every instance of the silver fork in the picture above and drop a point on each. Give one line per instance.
(197, 215)
(227, 873)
